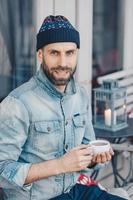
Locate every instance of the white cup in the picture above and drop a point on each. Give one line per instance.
(100, 146)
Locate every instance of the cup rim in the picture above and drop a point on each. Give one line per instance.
(93, 142)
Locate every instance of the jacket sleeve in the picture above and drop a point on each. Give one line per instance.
(14, 125)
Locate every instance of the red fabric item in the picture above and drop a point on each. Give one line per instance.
(86, 180)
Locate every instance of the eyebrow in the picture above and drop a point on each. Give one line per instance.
(69, 50)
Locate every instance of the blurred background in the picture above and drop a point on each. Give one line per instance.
(106, 37)
(106, 31)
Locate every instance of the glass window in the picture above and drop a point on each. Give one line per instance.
(17, 42)
(107, 38)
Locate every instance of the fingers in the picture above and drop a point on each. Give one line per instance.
(108, 155)
(86, 158)
(111, 151)
(84, 165)
(102, 157)
(87, 151)
(96, 158)
(84, 162)
(75, 161)
(83, 149)
(82, 155)
(82, 146)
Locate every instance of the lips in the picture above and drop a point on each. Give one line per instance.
(62, 74)
(62, 69)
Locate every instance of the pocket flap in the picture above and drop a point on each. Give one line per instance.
(79, 121)
(47, 126)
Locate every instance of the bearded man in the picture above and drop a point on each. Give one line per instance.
(45, 126)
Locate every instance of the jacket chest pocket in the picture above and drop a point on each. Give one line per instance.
(79, 124)
(45, 136)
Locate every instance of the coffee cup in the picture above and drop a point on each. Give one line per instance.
(100, 146)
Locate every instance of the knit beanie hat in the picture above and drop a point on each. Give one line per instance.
(56, 29)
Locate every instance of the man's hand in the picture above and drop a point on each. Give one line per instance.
(76, 159)
(103, 157)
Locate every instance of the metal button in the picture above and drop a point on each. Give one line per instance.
(49, 129)
(83, 122)
(66, 147)
(66, 123)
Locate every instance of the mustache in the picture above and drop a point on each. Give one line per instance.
(61, 68)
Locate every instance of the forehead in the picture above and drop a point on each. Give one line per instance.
(61, 46)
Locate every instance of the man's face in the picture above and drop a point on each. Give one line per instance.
(59, 62)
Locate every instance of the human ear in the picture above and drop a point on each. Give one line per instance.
(40, 55)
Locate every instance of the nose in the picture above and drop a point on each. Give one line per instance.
(62, 61)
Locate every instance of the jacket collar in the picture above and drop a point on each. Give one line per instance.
(46, 84)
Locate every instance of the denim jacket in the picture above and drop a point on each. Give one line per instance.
(39, 123)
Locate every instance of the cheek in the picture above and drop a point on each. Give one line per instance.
(73, 60)
(51, 62)
(72, 63)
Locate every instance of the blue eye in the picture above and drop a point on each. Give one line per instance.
(69, 53)
(54, 53)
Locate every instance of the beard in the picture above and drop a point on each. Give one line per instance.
(58, 81)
